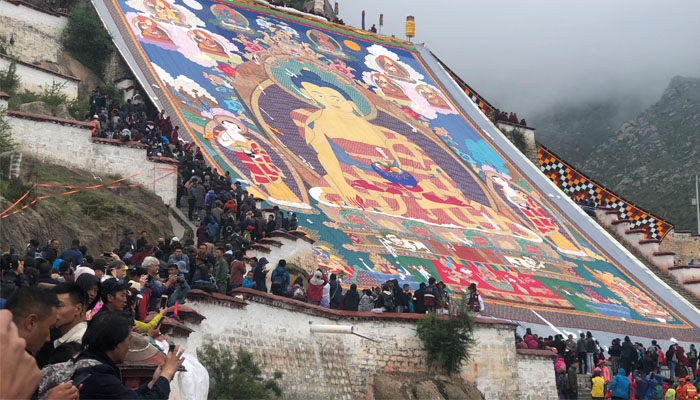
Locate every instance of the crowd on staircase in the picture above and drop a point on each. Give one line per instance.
(628, 371)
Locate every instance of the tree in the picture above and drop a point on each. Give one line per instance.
(9, 80)
(6, 142)
(236, 379)
(87, 39)
(448, 340)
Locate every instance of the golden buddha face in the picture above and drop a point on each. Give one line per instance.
(328, 98)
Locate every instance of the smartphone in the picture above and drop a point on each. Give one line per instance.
(171, 347)
(107, 254)
(163, 301)
(80, 379)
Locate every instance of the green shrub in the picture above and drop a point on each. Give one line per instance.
(87, 39)
(6, 142)
(238, 378)
(9, 80)
(448, 340)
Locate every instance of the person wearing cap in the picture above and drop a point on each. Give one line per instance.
(475, 302)
(127, 244)
(260, 275)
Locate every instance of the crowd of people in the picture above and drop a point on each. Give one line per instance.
(628, 371)
(76, 316)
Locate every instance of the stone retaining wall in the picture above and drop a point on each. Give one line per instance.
(69, 143)
(341, 366)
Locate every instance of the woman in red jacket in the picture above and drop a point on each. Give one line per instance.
(316, 284)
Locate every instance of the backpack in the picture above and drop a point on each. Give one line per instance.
(388, 302)
(55, 374)
(277, 283)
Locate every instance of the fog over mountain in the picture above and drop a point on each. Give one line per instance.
(528, 56)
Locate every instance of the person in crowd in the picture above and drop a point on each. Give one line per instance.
(573, 381)
(142, 241)
(627, 355)
(431, 296)
(315, 290)
(178, 256)
(406, 296)
(260, 275)
(74, 255)
(597, 385)
(117, 270)
(177, 292)
(237, 271)
(561, 380)
(336, 292)
(296, 291)
(20, 374)
(154, 284)
(106, 341)
(248, 280)
(582, 358)
(475, 302)
(221, 271)
(351, 300)
(70, 320)
(366, 301)
(418, 299)
(692, 356)
(386, 300)
(127, 244)
(293, 223)
(620, 386)
(279, 279)
(590, 351)
(34, 313)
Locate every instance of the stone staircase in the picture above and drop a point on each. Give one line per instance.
(664, 275)
(584, 386)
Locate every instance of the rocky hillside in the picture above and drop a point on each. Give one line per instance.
(574, 131)
(97, 217)
(652, 159)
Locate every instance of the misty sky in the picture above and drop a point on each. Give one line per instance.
(526, 55)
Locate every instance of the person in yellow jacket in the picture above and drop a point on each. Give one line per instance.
(597, 385)
(671, 393)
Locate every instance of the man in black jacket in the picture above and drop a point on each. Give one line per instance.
(627, 354)
(418, 305)
(614, 351)
(351, 299)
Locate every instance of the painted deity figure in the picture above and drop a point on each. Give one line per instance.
(433, 98)
(392, 68)
(372, 167)
(207, 44)
(230, 18)
(324, 42)
(388, 87)
(151, 31)
(233, 135)
(536, 215)
(164, 11)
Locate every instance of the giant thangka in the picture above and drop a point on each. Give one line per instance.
(356, 135)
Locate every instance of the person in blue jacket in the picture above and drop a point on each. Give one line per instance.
(620, 386)
(279, 279)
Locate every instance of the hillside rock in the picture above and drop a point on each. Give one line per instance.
(36, 107)
(97, 217)
(652, 159)
(575, 130)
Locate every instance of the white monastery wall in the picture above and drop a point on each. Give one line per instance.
(37, 34)
(341, 366)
